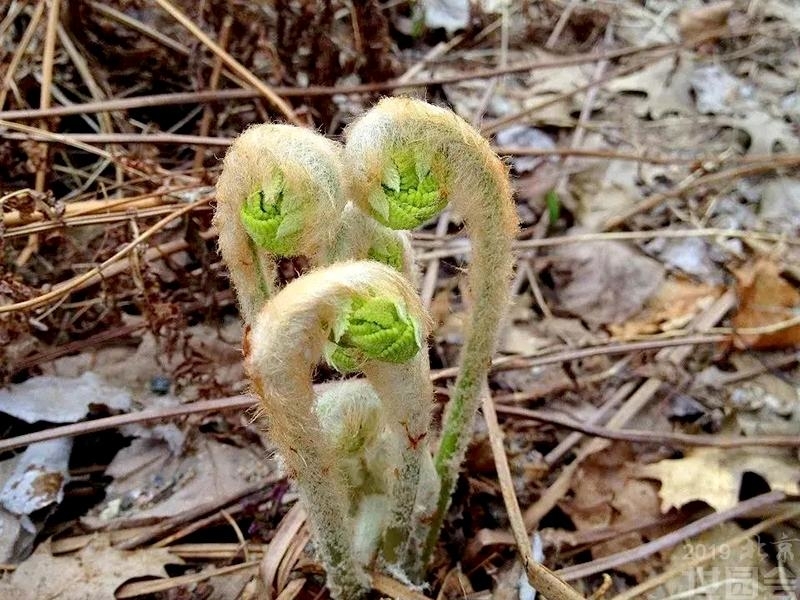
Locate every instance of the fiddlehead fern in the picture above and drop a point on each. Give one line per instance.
(372, 329)
(411, 190)
(281, 193)
(409, 158)
(352, 417)
(370, 309)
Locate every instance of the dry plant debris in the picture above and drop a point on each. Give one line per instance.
(654, 148)
(95, 571)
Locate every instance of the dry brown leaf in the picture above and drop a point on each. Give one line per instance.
(606, 493)
(280, 557)
(61, 399)
(733, 573)
(784, 10)
(694, 22)
(765, 298)
(17, 540)
(604, 190)
(522, 339)
(675, 304)
(665, 83)
(536, 382)
(780, 204)
(604, 282)
(766, 132)
(714, 475)
(150, 482)
(94, 572)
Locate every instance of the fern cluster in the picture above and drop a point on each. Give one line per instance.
(375, 494)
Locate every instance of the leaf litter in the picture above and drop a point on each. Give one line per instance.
(162, 333)
(96, 571)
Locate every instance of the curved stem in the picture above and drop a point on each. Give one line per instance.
(410, 159)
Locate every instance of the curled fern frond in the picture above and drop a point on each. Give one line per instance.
(370, 311)
(281, 193)
(409, 160)
(372, 329)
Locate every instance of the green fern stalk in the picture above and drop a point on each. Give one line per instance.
(410, 159)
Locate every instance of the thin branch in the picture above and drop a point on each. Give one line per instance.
(238, 403)
(539, 576)
(139, 588)
(599, 414)
(635, 402)
(370, 88)
(497, 124)
(45, 98)
(66, 287)
(671, 539)
(22, 47)
(705, 557)
(653, 437)
(243, 402)
(45, 93)
(232, 63)
(456, 246)
(775, 163)
(113, 216)
(553, 357)
(205, 140)
(213, 83)
(82, 208)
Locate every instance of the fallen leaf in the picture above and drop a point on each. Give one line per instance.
(466, 97)
(448, 14)
(17, 535)
(535, 382)
(606, 493)
(694, 22)
(765, 298)
(675, 304)
(604, 282)
(549, 95)
(522, 339)
(766, 404)
(152, 483)
(780, 204)
(693, 257)
(714, 475)
(665, 84)
(38, 478)
(96, 571)
(218, 350)
(768, 134)
(734, 572)
(783, 10)
(605, 190)
(31, 487)
(525, 137)
(790, 106)
(60, 399)
(716, 91)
